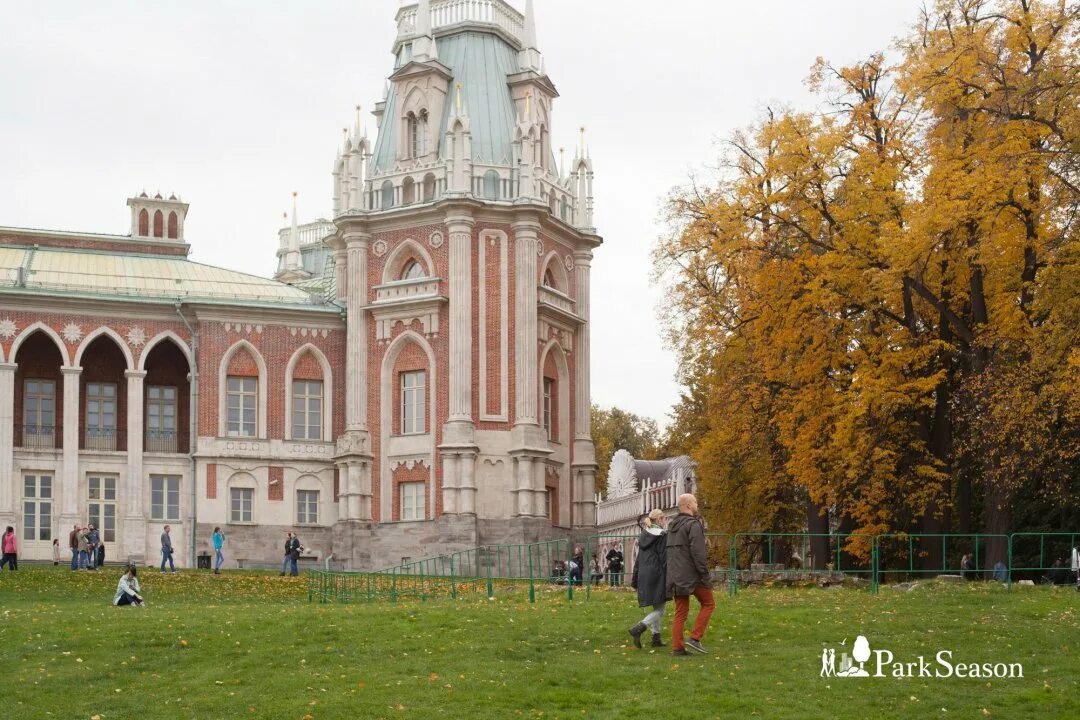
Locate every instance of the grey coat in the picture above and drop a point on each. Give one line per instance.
(650, 570)
(687, 568)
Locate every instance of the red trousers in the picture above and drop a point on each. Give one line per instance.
(682, 611)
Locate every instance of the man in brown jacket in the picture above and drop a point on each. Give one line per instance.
(688, 574)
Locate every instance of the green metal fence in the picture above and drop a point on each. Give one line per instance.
(471, 571)
(1043, 556)
(911, 555)
(737, 558)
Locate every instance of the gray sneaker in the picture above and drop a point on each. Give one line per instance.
(696, 646)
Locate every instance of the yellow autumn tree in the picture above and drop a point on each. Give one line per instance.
(875, 303)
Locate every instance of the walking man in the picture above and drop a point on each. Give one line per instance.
(166, 550)
(292, 553)
(688, 574)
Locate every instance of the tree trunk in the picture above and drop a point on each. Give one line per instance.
(817, 524)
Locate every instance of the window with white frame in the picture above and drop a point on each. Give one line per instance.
(37, 507)
(307, 507)
(549, 503)
(100, 415)
(39, 406)
(549, 398)
(307, 409)
(164, 497)
(412, 403)
(101, 506)
(241, 501)
(242, 404)
(412, 501)
(160, 418)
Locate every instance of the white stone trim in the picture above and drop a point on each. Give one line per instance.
(553, 263)
(403, 248)
(387, 397)
(115, 336)
(160, 337)
(29, 330)
(499, 238)
(328, 391)
(223, 374)
(561, 451)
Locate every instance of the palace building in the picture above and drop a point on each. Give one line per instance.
(413, 381)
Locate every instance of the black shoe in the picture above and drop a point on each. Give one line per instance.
(696, 646)
(657, 642)
(636, 632)
(681, 652)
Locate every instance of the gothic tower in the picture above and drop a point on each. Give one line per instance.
(461, 255)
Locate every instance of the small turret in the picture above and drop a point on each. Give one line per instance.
(157, 218)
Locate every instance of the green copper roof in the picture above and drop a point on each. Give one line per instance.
(481, 62)
(63, 271)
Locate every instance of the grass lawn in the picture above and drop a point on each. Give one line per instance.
(246, 644)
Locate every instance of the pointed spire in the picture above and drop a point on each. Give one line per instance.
(562, 162)
(529, 41)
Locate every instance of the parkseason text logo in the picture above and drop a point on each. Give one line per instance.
(864, 661)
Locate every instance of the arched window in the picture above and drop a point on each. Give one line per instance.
(412, 136)
(172, 226)
(159, 224)
(491, 185)
(549, 280)
(552, 203)
(144, 223)
(413, 271)
(408, 191)
(563, 210)
(387, 195)
(429, 187)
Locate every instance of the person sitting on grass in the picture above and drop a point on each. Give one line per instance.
(127, 590)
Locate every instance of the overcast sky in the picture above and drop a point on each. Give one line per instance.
(233, 104)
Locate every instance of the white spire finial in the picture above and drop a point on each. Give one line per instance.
(530, 26)
(292, 256)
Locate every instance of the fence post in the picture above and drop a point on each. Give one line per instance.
(453, 582)
(532, 585)
(490, 585)
(1010, 551)
(733, 570)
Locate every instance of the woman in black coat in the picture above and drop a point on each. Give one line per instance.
(649, 578)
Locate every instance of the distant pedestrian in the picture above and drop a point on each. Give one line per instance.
(577, 565)
(56, 551)
(127, 590)
(293, 549)
(688, 574)
(73, 543)
(167, 550)
(650, 576)
(84, 548)
(596, 575)
(615, 562)
(967, 567)
(11, 550)
(93, 540)
(219, 542)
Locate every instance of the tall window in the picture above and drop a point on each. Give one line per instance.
(307, 408)
(549, 398)
(307, 507)
(412, 403)
(416, 132)
(160, 419)
(101, 490)
(101, 416)
(387, 195)
(413, 271)
(164, 497)
(242, 401)
(412, 501)
(240, 502)
(491, 185)
(549, 503)
(39, 413)
(37, 507)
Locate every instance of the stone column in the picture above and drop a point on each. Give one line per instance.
(134, 528)
(356, 377)
(341, 273)
(354, 500)
(526, 385)
(540, 488)
(449, 485)
(458, 446)
(69, 480)
(523, 467)
(8, 493)
(583, 469)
